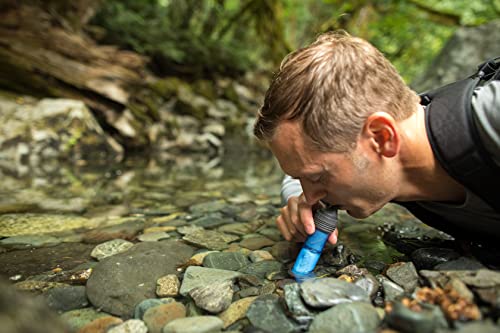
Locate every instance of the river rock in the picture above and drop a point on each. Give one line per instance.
(36, 224)
(143, 306)
(404, 274)
(196, 324)
(110, 248)
(208, 207)
(119, 282)
(296, 305)
(127, 230)
(368, 283)
(347, 318)
(267, 314)
(428, 258)
(260, 255)
(195, 277)
(231, 261)
(168, 286)
(153, 236)
(428, 320)
(392, 291)
(215, 297)
(285, 251)
(236, 311)
(130, 326)
(24, 241)
(66, 298)
(212, 220)
(256, 243)
(101, 325)
(158, 316)
(209, 239)
(462, 263)
(76, 319)
(327, 292)
(262, 268)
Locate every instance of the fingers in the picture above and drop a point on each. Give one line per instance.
(291, 221)
(306, 215)
(333, 237)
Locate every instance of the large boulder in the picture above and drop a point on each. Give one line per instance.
(120, 282)
(36, 132)
(466, 49)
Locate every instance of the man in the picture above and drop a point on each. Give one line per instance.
(341, 121)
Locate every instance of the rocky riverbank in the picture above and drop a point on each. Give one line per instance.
(222, 266)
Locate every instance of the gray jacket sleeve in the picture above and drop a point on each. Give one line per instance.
(290, 187)
(486, 111)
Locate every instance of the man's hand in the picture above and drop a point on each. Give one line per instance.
(296, 221)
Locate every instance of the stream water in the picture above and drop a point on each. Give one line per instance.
(41, 210)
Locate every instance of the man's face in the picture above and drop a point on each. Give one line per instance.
(360, 182)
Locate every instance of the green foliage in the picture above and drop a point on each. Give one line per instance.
(200, 38)
(409, 32)
(196, 38)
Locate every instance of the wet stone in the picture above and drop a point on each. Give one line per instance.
(195, 277)
(127, 231)
(475, 327)
(250, 291)
(35, 224)
(143, 306)
(347, 318)
(404, 274)
(375, 266)
(153, 236)
(168, 286)
(272, 233)
(212, 220)
(76, 319)
(260, 255)
(131, 325)
(236, 311)
(285, 251)
(428, 320)
(197, 259)
(24, 241)
(101, 325)
(392, 291)
(428, 258)
(120, 282)
(209, 239)
(256, 243)
(215, 297)
(231, 261)
(462, 263)
(262, 268)
(208, 207)
(66, 298)
(368, 283)
(110, 248)
(267, 314)
(196, 324)
(296, 305)
(239, 229)
(158, 316)
(327, 292)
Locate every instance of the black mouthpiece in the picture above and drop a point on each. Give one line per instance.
(326, 219)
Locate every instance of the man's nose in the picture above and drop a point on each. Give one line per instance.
(313, 192)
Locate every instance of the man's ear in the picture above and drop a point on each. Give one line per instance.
(381, 131)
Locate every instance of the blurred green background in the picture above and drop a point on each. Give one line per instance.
(229, 37)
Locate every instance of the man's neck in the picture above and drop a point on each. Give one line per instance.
(424, 179)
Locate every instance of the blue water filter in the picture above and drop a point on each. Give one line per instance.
(325, 221)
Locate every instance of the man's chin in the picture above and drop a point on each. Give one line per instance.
(361, 213)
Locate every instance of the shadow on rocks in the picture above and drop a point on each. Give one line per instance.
(20, 313)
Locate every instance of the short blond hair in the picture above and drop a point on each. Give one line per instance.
(331, 87)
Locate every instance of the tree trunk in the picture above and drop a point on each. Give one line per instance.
(44, 51)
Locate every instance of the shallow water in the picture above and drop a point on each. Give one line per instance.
(149, 188)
